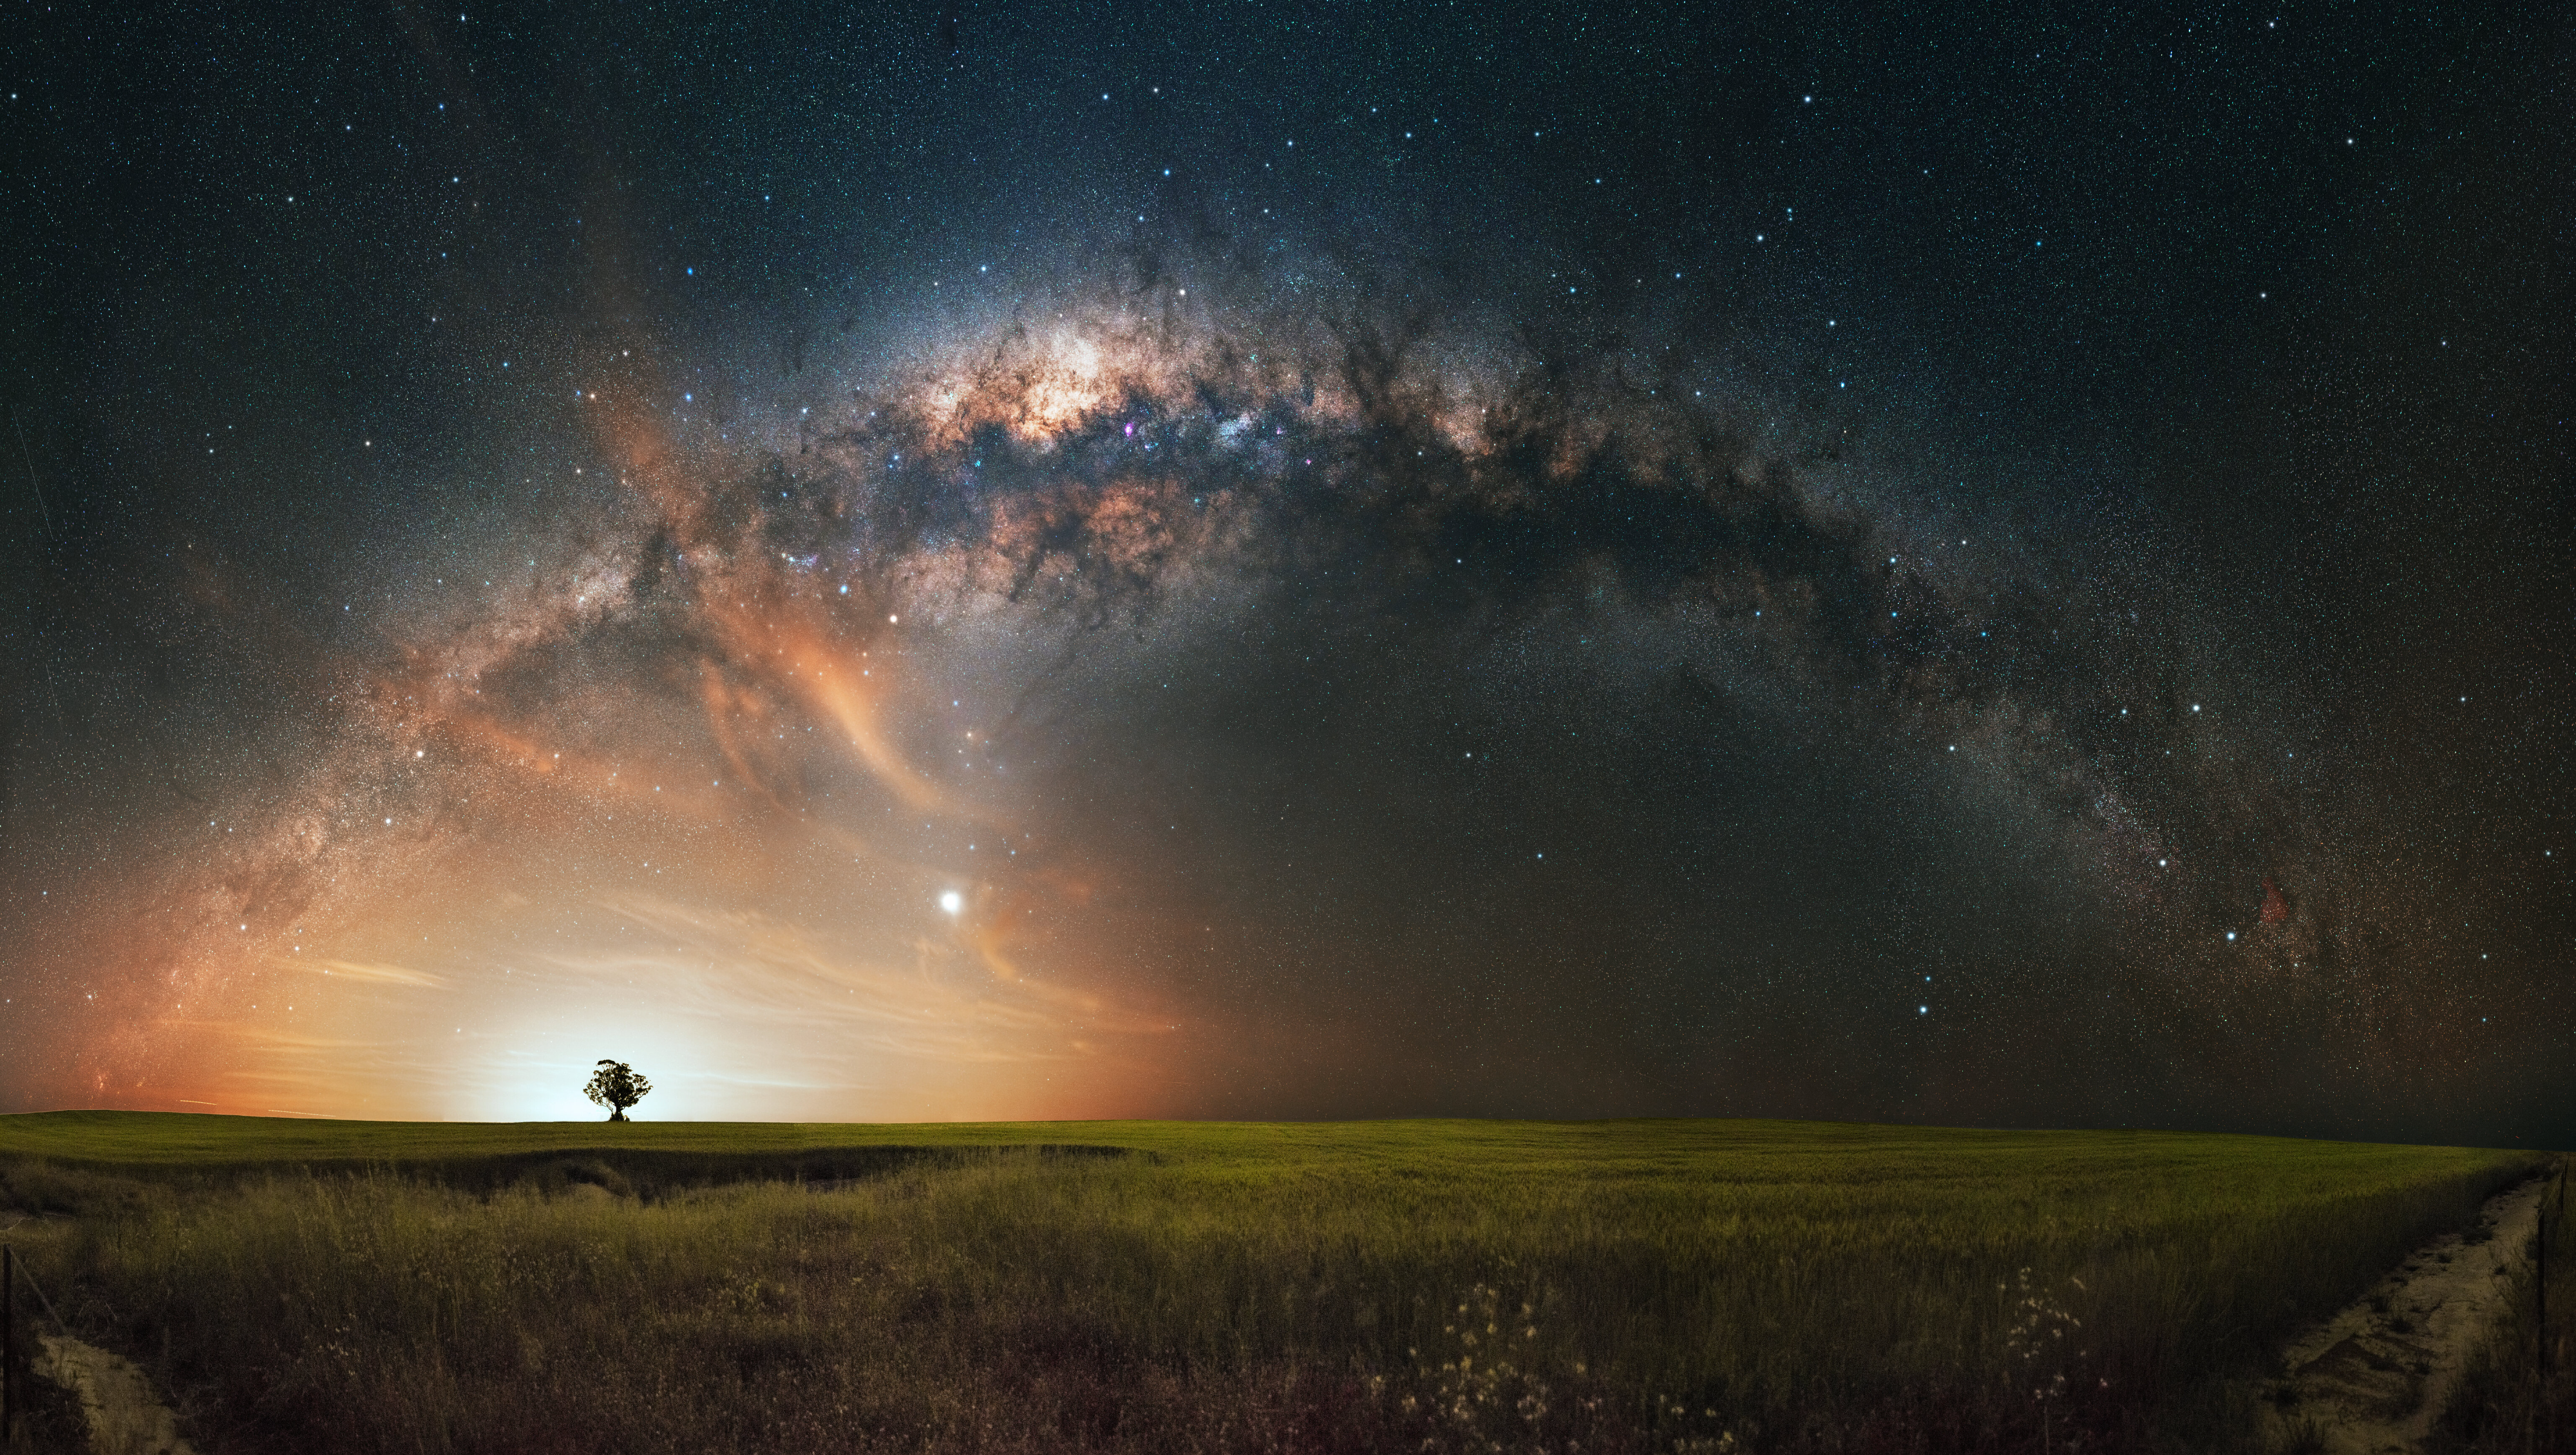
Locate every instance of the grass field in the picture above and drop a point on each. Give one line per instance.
(1701, 1285)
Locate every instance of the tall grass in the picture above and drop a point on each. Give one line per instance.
(1720, 1286)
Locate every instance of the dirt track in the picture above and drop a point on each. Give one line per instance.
(124, 1416)
(2371, 1380)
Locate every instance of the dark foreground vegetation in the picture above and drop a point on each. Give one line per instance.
(1448, 1286)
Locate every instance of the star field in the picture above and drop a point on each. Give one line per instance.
(1273, 561)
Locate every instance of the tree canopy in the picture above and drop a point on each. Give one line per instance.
(616, 1086)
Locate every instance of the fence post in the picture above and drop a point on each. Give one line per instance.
(8, 1344)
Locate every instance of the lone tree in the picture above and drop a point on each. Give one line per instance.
(616, 1086)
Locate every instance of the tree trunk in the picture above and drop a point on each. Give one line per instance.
(617, 1113)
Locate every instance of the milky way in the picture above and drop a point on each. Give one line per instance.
(1201, 672)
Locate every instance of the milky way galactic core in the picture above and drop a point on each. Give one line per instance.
(1725, 599)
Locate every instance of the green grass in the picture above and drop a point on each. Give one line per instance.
(1233, 1286)
(171, 1140)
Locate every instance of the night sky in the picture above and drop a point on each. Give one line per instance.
(1069, 560)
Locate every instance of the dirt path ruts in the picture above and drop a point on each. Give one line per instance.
(124, 1416)
(2371, 1380)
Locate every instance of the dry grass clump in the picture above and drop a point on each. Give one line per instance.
(1439, 1287)
(41, 1188)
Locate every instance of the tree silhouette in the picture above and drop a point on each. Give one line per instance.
(616, 1086)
